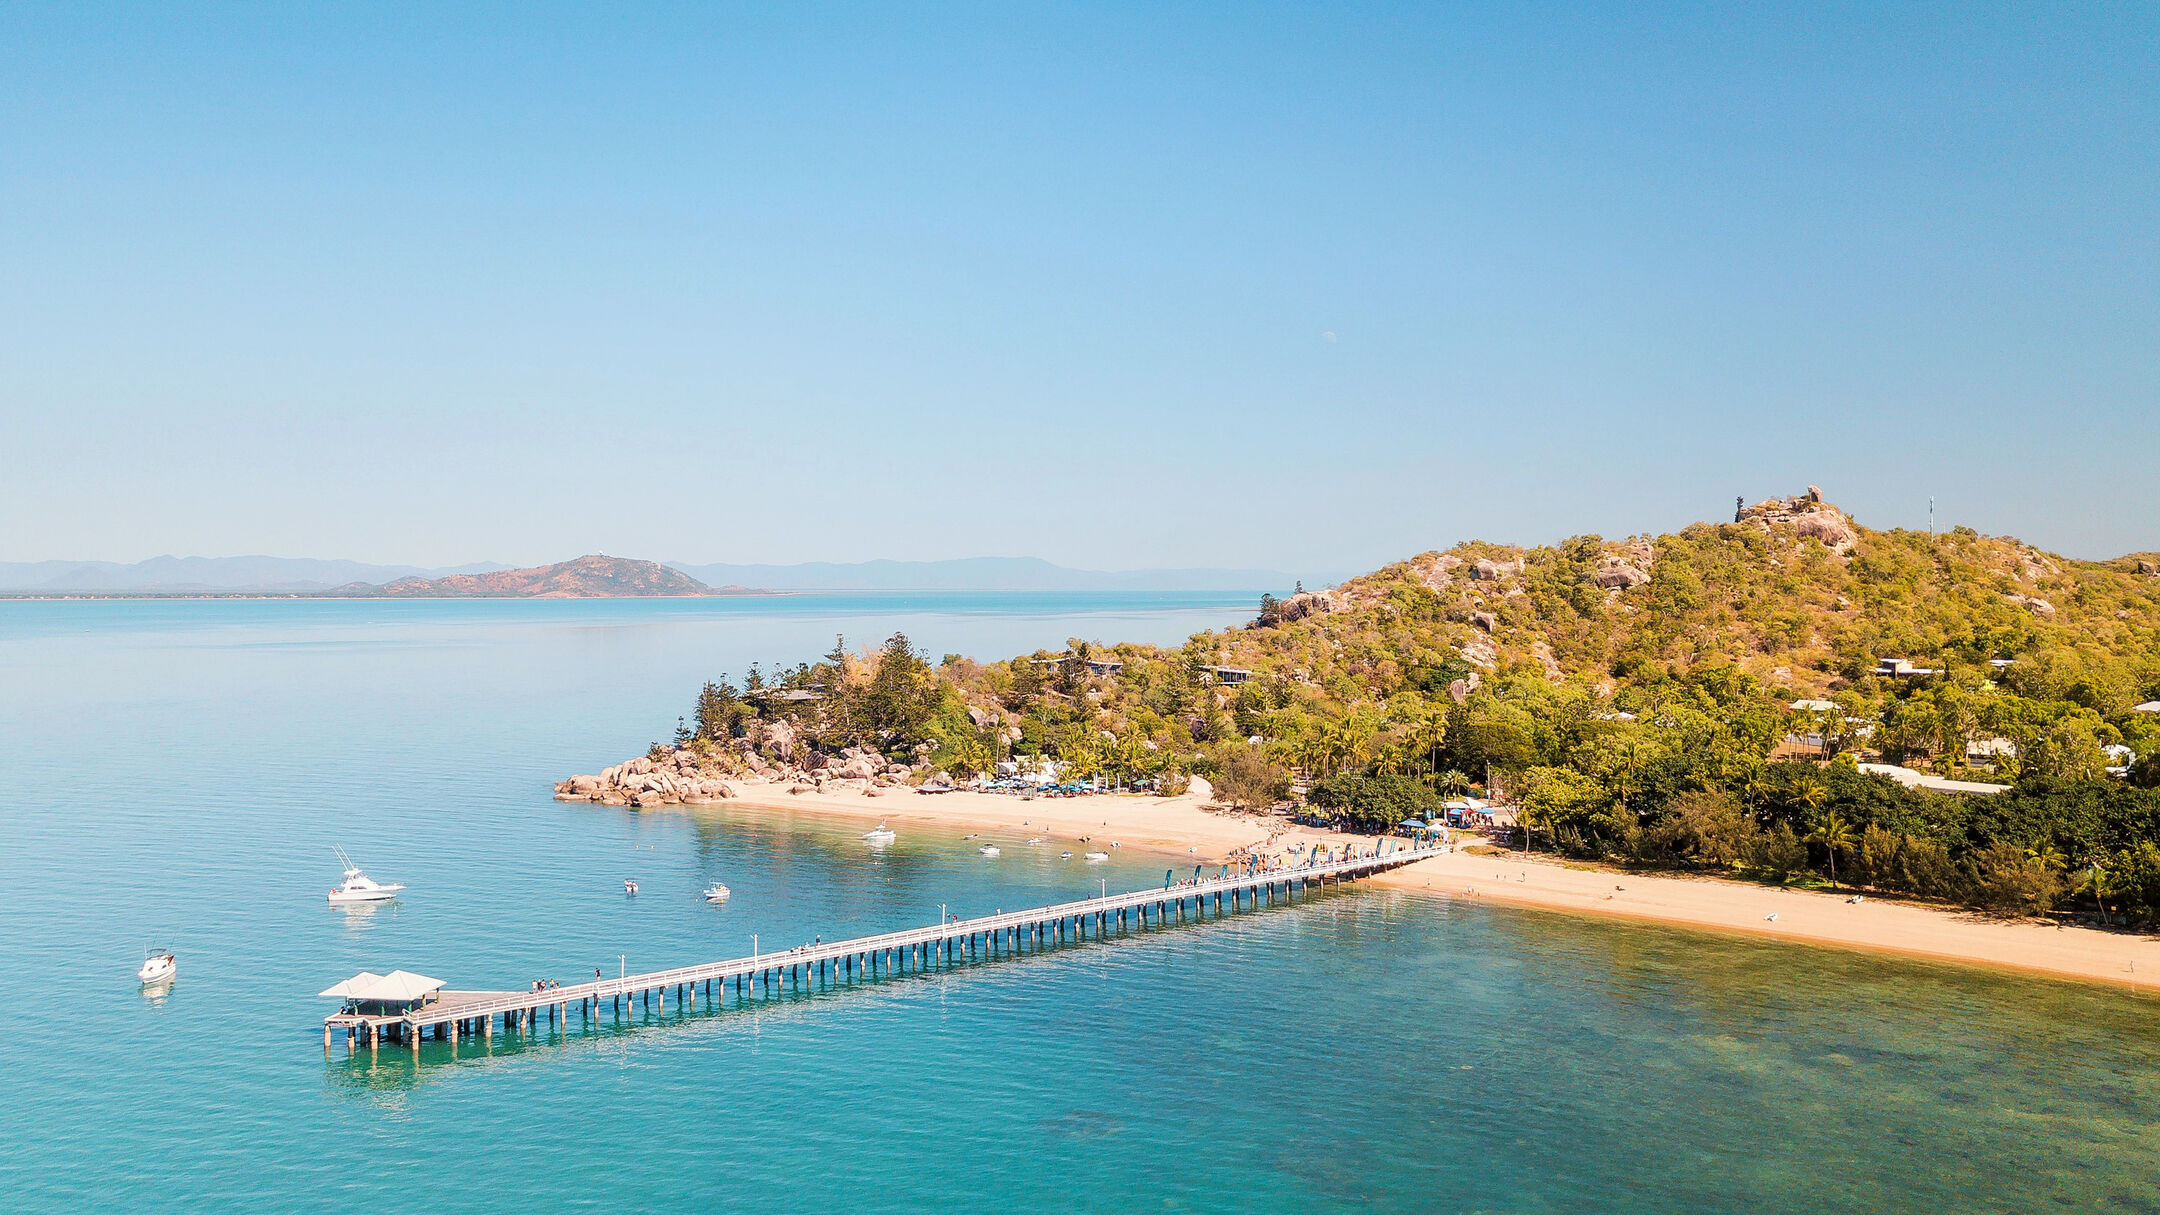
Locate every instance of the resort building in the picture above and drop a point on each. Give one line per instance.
(1933, 784)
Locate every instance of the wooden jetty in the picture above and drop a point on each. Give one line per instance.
(451, 1015)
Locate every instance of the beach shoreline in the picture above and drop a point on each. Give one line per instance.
(1190, 828)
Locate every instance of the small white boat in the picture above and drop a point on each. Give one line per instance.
(628, 886)
(1097, 857)
(158, 967)
(883, 835)
(716, 893)
(1064, 856)
(1033, 842)
(988, 850)
(358, 888)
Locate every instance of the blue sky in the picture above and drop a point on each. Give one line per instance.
(1308, 288)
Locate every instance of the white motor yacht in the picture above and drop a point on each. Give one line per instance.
(359, 888)
(883, 835)
(1097, 857)
(716, 893)
(158, 967)
(988, 850)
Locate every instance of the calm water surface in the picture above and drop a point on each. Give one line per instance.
(177, 774)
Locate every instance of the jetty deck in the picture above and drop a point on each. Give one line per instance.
(454, 1014)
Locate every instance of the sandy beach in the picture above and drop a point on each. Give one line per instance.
(1190, 827)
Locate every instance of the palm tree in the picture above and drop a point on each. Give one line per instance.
(1360, 740)
(2098, 883)
(1756, 789)
(1310, 753)
(1632, 756)
(1133, 756)
(968, 755)
(1835, 837)
(1454, 782)
(1337, 745)
(1427, 734)
(1811, 793)
(1081, 756)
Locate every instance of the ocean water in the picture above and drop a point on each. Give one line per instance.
(177, 774)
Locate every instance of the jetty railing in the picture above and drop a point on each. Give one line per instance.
(996, 935)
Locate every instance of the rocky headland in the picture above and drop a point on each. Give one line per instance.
(703, 774)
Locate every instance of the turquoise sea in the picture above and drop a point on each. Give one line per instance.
(178, 773)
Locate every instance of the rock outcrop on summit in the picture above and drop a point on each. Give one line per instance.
(1808, 515)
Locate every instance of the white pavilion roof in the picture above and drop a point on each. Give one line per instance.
(397, 986)
(349, 989)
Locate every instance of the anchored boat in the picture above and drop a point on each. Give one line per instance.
(158, 967)
(359, 888)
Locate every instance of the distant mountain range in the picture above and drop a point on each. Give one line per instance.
(981, 574)
(579, 578)
(199, 575)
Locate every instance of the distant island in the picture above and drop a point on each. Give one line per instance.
(589, 577)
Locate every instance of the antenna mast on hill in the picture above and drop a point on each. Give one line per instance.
(1931, 514)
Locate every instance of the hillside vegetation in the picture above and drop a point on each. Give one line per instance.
(1636, 699)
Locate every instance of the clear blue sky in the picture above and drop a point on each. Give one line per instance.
(1303, 287)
